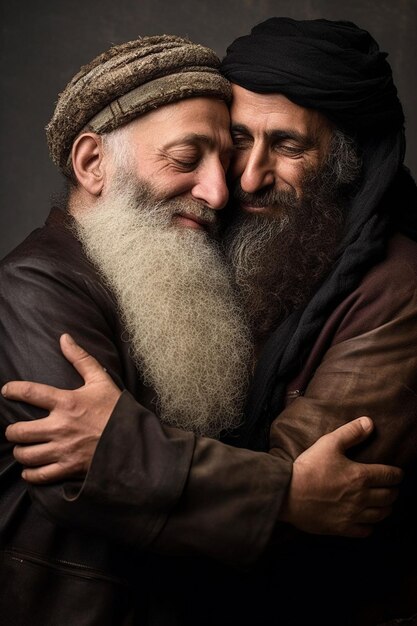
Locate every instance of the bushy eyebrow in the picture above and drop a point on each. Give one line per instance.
(277, 135)
(240, 128)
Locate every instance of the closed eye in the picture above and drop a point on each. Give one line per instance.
(292, 151)
(186, 165)
(241, 142)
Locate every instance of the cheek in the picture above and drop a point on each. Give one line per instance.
(172, 184)
(237, 164)
(291, 172)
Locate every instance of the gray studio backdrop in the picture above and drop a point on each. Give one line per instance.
(44, 42)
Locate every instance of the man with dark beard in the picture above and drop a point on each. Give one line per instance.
(324, 252)
(142, 135)
(281, 248)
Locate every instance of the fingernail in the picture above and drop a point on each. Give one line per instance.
(23, 474)
(69, 339)
(4, 390)
(366, 423)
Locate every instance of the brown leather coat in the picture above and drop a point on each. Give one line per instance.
(82, 553)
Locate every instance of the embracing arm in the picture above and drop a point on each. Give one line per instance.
(39, 299)
(148, 484)
(143, 474)
(232, 499)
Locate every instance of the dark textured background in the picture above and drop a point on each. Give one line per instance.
(44, 42)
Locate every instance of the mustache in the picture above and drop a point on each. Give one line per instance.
(268, 197)
(164, 210)
(161, 209)
(192, 207)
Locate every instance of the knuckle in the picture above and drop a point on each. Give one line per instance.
(351, 511)
(73, 449)
(26, 391)
(65, 467)
(84, 358)
(386, 477)
(19, 454)
(77, 466)
(68, 402)
(359, 476)
(395, 475)
(59, 431)
(41, 476)
(389, 476)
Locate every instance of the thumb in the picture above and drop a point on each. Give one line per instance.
(85, 364)
(352, 433)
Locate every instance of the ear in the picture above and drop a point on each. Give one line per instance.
(88, 163)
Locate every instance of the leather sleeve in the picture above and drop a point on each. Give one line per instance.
(38, 302)
(230, 501)
(148, 485)
(370, 369)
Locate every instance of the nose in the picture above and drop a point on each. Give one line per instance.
(258, 170)
(211, 187)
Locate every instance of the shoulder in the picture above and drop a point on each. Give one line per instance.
(388, 291)
(50, 257)
(52, 245)
(398, 271)
(48, 287)
(48, 279)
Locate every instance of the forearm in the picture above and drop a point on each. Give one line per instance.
(162, 488)
(230, 506)
(136, 477)
(61, 300)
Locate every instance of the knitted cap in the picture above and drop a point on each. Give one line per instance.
(127, 81)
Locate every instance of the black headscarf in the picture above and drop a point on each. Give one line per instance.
(337, 69)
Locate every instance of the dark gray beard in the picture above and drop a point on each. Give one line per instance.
(279, 261)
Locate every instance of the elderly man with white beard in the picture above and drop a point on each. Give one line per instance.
(130, 272)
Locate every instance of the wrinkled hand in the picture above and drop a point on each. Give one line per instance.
(62, 444)
(332, 495)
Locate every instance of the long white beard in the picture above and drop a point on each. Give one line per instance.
(190, 341)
